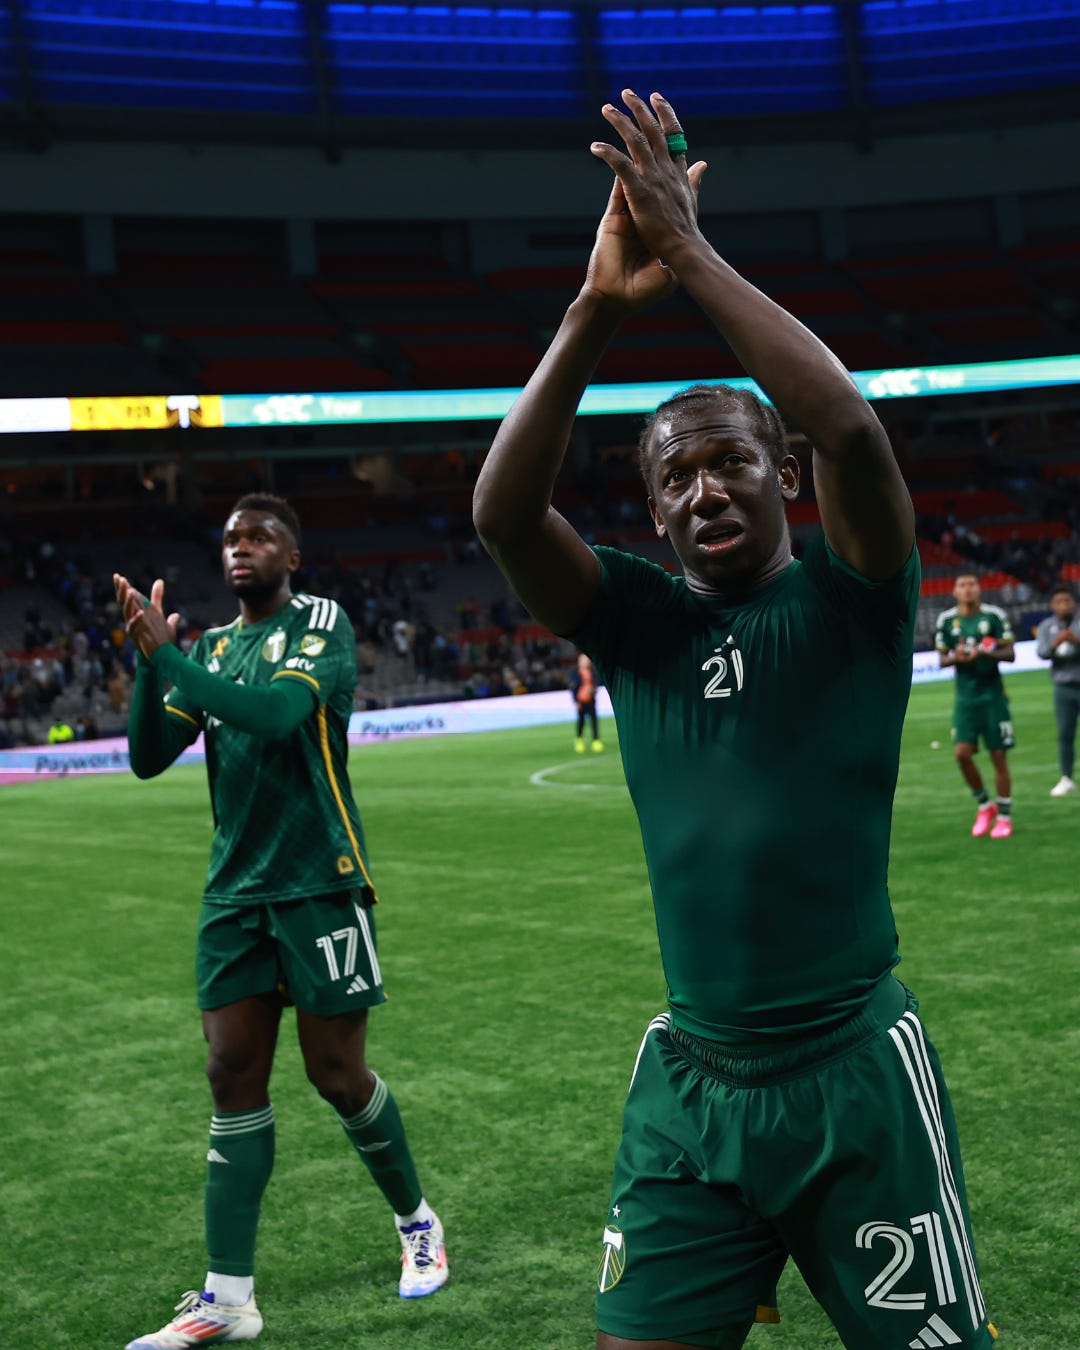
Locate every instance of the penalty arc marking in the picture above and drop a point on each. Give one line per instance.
(540, 779)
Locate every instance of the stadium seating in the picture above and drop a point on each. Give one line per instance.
(220, 306)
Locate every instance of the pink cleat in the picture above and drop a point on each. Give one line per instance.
(984, 819)
(1002, 828)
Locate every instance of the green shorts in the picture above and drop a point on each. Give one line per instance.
(321, 951)
(840, 1152)
(987, 717)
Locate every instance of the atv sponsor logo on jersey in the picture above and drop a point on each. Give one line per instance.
(274, 647)
(312, 645)
(298, 663)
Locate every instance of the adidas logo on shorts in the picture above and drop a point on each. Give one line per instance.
(936, 1332)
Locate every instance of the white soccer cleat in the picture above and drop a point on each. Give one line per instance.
(423, 1259)
(1063, 787)
(201, 1321)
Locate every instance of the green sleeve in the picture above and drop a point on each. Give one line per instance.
(270, 712)
(155, 737)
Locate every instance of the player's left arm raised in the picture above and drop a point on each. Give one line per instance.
(864, 503)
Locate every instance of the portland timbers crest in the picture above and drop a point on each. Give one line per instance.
(613, 1260)
(273, 648)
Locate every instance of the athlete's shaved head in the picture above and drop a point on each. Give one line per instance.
(273, 506)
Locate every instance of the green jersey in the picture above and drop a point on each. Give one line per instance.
(974, 679)
(285, 823)
(761, 742)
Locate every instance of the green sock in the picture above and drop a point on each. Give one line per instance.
(981, 795)
(240, 1160)
(378, 1136)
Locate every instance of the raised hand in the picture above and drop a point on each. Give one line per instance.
(658, 190)
(621, 268)
(145, 618)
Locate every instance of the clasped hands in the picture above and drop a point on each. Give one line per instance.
(652, 211)
(145, 618)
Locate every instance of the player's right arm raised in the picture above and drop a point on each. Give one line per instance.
(551, 568)
(155, 737)
(271, 712)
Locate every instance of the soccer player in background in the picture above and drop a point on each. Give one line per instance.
(583, 691)
(1056, 641)
(788, 1104)
(975, 638)
(288, 900)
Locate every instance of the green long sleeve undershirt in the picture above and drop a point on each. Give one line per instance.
(155, 738)
(268, 711)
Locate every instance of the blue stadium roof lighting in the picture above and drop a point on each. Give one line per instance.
(257, 55)
(214, 54)
(776, 58)
(928, 49)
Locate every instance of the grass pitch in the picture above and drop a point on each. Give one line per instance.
(520, 955)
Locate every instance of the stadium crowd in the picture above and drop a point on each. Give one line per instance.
(79, 670)
(431, 630)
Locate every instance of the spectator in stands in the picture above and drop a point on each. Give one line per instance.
(500, 614)
(13, 701)
(423, 637)
(365, 657)
(1056, 641)
(401, 636)
(446, 655)
(117, 632)
(974, 639)
(36, 632)
(9, 672)
(44, 685)
(86, 729)
(118, 687)
(60, 732)
(90, 676)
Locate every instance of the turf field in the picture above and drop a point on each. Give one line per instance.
(520, 955)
